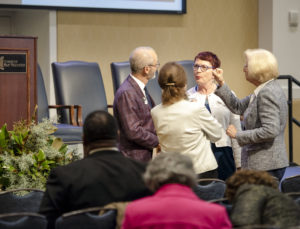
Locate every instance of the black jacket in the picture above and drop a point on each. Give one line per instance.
(101, 178)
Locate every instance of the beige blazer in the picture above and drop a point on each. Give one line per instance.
(188, 129)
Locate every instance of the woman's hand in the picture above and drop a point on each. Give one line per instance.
(231, 131)
(218, 75)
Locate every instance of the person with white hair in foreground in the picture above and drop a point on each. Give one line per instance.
(174, 205)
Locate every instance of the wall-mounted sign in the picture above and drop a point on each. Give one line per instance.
(13, 62)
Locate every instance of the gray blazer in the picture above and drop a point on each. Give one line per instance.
(264, 122)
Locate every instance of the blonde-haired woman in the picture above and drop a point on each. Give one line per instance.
(181, 126)
(264, 111)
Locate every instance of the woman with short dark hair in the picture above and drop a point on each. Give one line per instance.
(226, 150)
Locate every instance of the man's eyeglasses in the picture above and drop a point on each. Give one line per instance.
(154, 65)
(203, 68)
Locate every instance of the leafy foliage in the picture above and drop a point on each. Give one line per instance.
(28, 153)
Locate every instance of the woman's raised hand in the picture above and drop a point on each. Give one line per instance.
(218, 74)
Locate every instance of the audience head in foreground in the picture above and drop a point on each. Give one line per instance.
(94, 136)
(102, 177)
(174, 204)
(256, 200)
(132, 105)
(170, 168)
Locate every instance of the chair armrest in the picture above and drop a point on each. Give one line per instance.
(79, 115)
(71, 108)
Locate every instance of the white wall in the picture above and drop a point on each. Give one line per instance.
(40, 23)
(276, 35)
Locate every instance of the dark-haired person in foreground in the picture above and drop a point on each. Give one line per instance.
(174, 205)
(256, 200)
(102, 177)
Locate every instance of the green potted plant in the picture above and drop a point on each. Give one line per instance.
(28, 152)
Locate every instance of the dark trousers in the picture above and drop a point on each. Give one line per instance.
(208, 174)
(225, 160)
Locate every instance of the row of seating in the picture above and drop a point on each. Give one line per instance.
(28, 199)
(21, 211)
(18, 211)
(79, 90)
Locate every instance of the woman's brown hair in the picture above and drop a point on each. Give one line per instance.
(172, 80)
(248, 177)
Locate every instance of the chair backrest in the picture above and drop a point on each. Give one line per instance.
(210, 189)
(23, 220)
(42, 101)
(291, 184)
(86, 219)
(120, 71)
(188, 68)
(79, 83)
(68, 133)
(11, 202)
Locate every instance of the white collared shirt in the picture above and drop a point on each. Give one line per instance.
(142, 87)
(258, 89)
(220, 112)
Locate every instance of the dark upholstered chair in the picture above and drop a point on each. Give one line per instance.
(188, 68)
(67, 132)
(120, 71)
(23, 220)
(87, 218)
(291, 184)
(10, 202)
(80, 83)
(210, 189)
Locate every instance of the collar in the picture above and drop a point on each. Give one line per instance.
(260, 87)
(140, 83)
(102, 149)
(177, 190)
